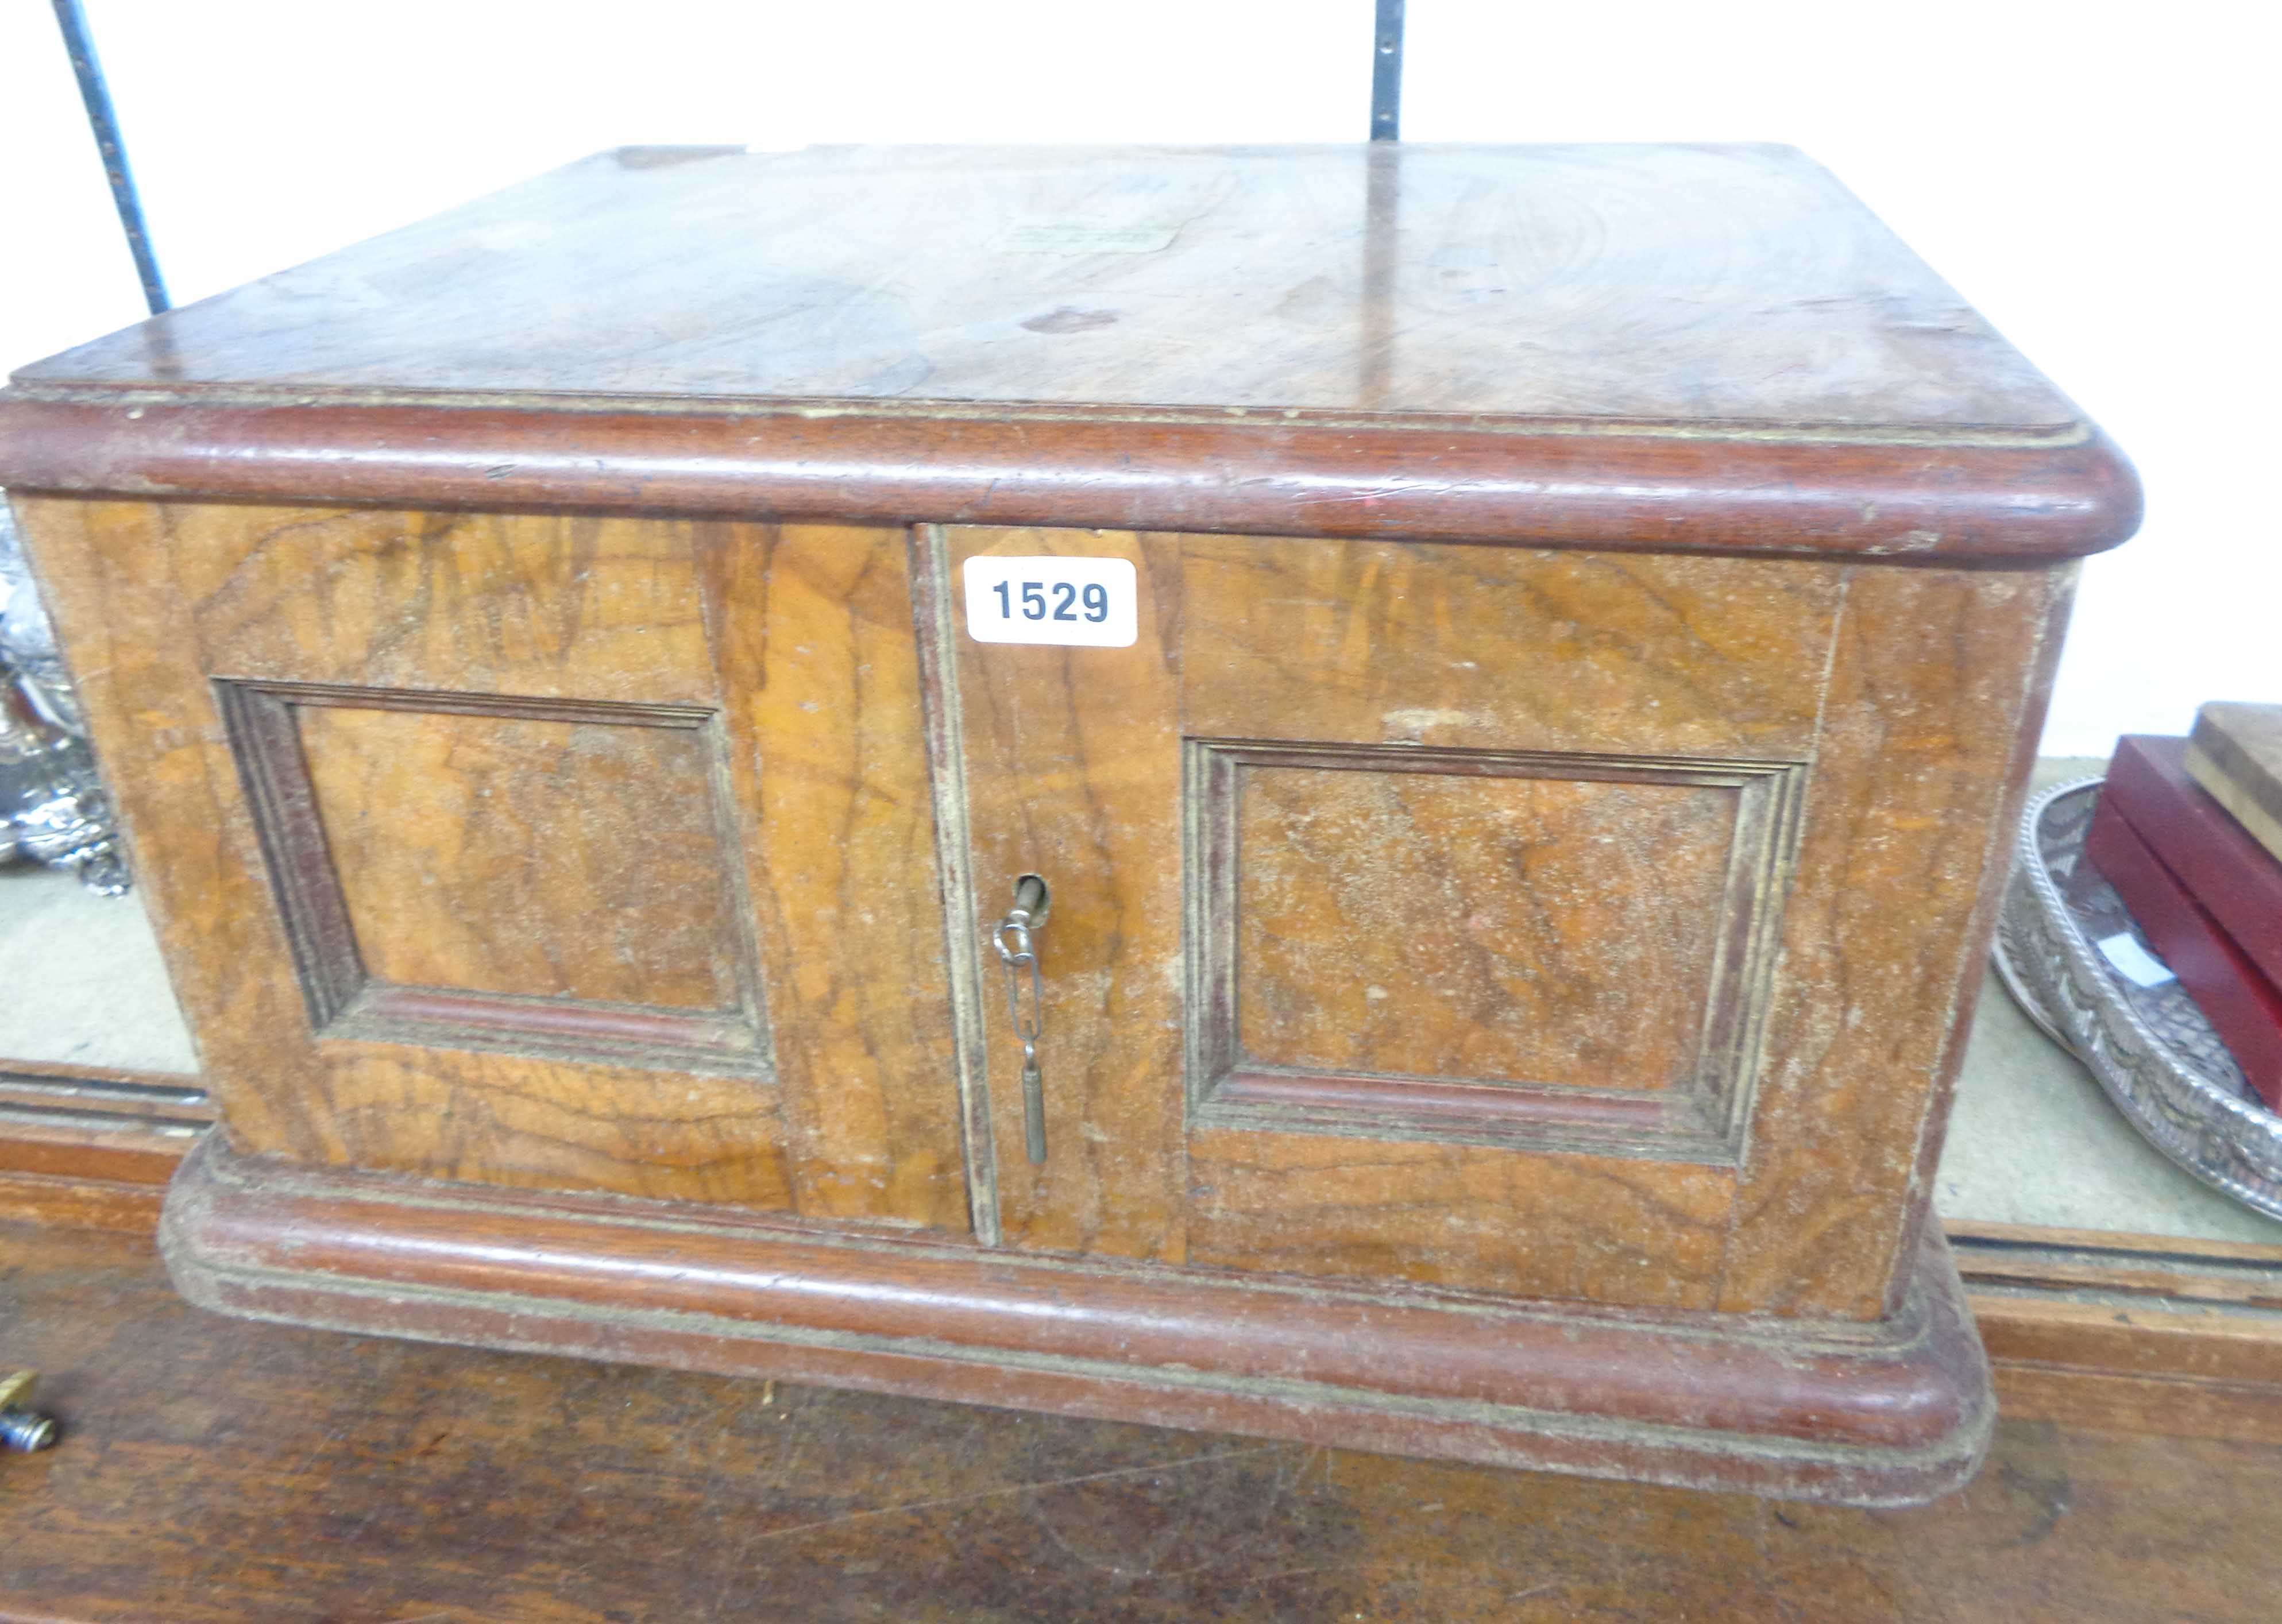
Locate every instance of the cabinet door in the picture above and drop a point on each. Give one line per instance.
(578, 852)
(1433, 912)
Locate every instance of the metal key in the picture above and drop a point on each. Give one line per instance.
(1018, 955)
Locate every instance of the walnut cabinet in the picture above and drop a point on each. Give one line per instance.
(1519, 833)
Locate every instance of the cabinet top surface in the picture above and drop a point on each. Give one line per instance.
(1671, 284)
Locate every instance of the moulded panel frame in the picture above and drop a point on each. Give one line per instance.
(345, 1002)
(1704, 1117)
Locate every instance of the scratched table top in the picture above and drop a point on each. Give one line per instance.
(214, 1469)
(1659, 282)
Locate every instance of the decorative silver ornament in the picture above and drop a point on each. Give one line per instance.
(2153, 1054)
(52, 805)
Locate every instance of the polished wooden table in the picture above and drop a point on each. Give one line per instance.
(1515, 667)
(215, 1470)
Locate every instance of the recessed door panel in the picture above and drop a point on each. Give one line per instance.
(1380, 943)
(562, 852)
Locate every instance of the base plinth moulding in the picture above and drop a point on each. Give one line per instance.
(1893, 1411)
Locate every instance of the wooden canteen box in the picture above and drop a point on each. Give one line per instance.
(1515, 666)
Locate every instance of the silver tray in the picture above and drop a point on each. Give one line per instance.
(2150, 1049)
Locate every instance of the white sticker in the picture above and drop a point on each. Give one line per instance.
(1082, 602)
(2133, 962)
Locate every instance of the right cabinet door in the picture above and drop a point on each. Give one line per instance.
(1547, 923)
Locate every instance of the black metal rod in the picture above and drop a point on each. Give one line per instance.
(105, 121)
(1385, 73)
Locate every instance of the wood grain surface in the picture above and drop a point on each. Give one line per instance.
(1636, 488)
(2235, 752)
(1905, 692)
(1696, 283)
(1073, 767)
(93, 1146)
(1470, 648)
(1587, 659)
(811, 629)
(1711, 347)
(216, 1470)
(1886, 1414)
(1597, 604)
(1935, 694)
(2148, 1332)
(747, 623)
(1073, 772)
(554, 859)
(1514, 929)
(1901, 694)
(123, 1149)
(113, 1093)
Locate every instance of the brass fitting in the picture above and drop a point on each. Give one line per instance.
(22, 1428)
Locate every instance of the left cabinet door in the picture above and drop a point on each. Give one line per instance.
(563, 852)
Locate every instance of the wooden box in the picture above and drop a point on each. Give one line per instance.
(1515, 893)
